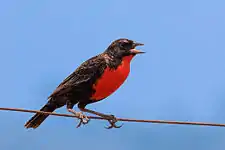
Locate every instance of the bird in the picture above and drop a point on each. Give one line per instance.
(93, 81)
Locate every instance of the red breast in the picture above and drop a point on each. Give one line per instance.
(112, 79)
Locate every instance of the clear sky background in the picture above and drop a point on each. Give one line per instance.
(181, 77)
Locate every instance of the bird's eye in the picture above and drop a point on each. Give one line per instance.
(125, 45)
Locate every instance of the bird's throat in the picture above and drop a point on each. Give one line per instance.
(127, 59)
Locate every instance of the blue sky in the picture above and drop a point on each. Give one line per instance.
(181, 77)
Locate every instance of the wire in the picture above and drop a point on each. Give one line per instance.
(119, 119)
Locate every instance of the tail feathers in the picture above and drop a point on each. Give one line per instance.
(38, 118)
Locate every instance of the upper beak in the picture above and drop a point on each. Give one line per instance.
(138, 44)
(135, 51)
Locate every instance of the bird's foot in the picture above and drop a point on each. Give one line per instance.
(112, 120)
(83, 119)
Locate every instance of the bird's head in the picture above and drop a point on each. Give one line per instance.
(123, 47)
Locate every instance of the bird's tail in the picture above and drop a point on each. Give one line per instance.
(38, 118)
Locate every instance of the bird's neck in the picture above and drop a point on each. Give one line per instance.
(114, 62)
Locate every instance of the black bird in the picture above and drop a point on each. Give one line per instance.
(94, 80)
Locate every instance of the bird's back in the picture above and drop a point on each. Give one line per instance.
(80, 82)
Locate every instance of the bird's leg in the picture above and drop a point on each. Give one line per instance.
(111, 118)
(83, 118)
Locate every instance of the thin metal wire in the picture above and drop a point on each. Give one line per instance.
(119, 119)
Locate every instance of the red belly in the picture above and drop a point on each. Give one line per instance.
(111, 80)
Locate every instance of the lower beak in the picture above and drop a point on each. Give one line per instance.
(135, 51)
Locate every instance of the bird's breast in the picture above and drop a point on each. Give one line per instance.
(111, 79)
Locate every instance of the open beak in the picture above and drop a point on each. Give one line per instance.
(135, 51)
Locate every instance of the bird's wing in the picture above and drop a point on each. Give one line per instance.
(86, 74)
